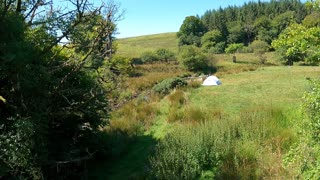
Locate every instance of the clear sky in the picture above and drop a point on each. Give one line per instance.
(143, 17)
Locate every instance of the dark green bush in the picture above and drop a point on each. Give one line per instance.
(149, 57)
(192, 59)
(167, 85)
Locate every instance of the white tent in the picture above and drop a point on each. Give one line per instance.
(211, 81)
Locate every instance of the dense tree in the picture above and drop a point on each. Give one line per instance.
(312, 20)
(254, 20)
(211, 39)
(191, 31)
(236, 32)
(298, 43)
(53, 76)
(262, 27)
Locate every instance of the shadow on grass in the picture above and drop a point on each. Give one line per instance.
(131, 164)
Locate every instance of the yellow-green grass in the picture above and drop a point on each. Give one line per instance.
(245, 62)
(152, 74)
(135, 46)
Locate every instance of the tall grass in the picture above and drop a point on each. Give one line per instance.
(229, 148)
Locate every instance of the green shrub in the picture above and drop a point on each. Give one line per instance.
(192, 59)
(233, 48)
(218, 48)
(167, 85)
(149, 57)
(122, 65)
(165, 55)
(312, 106)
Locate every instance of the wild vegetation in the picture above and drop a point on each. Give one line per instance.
(75, 104)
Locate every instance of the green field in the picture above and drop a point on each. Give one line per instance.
(268, 86)
(135, 46)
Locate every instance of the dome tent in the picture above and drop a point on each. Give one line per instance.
(211, 81)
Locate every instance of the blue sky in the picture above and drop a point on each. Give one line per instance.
(144, 17)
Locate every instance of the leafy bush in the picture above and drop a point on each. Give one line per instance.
(167, 85)
(312, 106)
(298, 43)
(211, 39)
(260, 48)
(192, 59)
(122, 65)
(149, 57)
(218, 48)
(233, 48)
(165, 55)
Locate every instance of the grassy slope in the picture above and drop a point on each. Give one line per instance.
(134, 46)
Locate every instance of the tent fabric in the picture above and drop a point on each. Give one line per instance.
(211, 81)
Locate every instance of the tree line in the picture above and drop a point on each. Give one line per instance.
(287, 26)
(216, 29)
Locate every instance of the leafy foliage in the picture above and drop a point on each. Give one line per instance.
(191, 31)
(298, 43)
(211, 39)
(254, 20)
(312, 106)
(149, 57)
(165, 86)
(55, 90)
(192, 59)
(165, 54)
(233, 48)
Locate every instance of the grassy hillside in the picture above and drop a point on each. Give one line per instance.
(134, 46)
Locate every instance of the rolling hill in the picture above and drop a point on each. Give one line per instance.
(134, 46)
